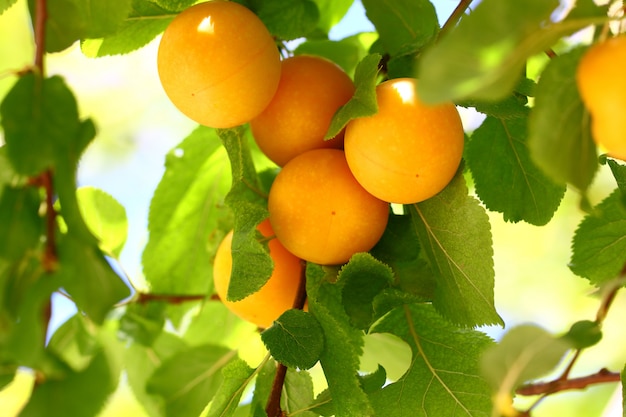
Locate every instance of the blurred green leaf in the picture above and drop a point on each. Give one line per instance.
(185, 216)
(599, 247)
(88, 278)
(363, 102)
(286, 19)
(404, 26)
(189, 379)
(174, 5)
(140, 363)
(559, 137)
(263, 388)
(21, 226)
(105, 217)
(455, 235)
(295, 339)
(505, 176)
(513, 106)
(583, 334)
(525, 352)
(364, 277)
(342, 344)
(587, 8)
(67, 396)
(143, 322)
(37, 116)
(252, 265)
(347, 52)
(145, 21)
(237, 375)
(484, 56)
(215, 324)
(444, 370)
(5, 4)
(75, 343)
(331, 12)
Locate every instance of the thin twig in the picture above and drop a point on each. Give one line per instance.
(455, 16)
(601, 377)
(49, 260)
(41, 16)
(143, 298)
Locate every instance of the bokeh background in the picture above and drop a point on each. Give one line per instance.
(137, 126)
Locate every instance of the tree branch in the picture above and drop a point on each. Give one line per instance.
(601, 377)
(41, 16)
(143, 298)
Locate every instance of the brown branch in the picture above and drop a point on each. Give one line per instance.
(143, 298)
(601, 377)
(41, 16)
(455, 16)
(272, 409)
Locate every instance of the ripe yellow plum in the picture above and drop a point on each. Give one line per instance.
(602, 87)
(319, 211)
(276, 296)
(218, 64)
(310, 91)
(408, 151)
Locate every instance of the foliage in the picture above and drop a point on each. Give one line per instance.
(429, 282)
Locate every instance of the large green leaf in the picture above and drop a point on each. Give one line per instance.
(342, 345)
(484, 56)
(188, 380)
(186, 215)
(444, 376)
(331, 12)
(237, 375)
(403, 25)
(20, 223)
(559, 136)
(506, 178)
(599, 245)
(5, 4)
(455, 236)
(286, 19)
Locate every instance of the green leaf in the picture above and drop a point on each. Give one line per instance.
(298, 393)
(60, 397)
(215, 324)
(599, 244)
(584, 334)
(484, 56)
(505, 176)
(20, 222)
(140, 363)
(39, 114)
(331, 12)
(342, 344)
(145, 21)
(75, 343)
(188, 380)
(526, 352)
(287, 19)
(619, 173)
(444, 374)
(364, 278)
(237, 375)
(404, 26)
(88, 278)
(143, 322)
(347, 52)
(455, 236)
(174, 5)
(5, 4)
(295, 339)
(105, 217)
(252, 265)
(559, 136)
(185, 212)
(363, 103)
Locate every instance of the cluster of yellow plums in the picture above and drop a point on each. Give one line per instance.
(331, 199)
